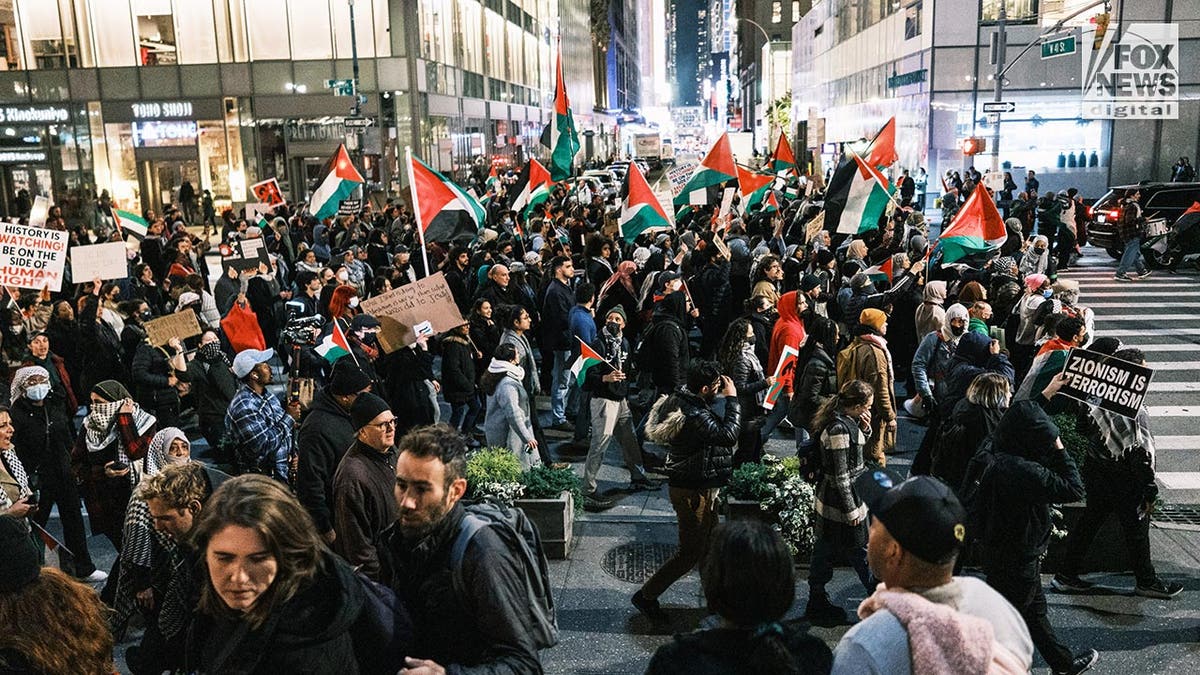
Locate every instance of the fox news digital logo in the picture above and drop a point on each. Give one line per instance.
(1136, 77)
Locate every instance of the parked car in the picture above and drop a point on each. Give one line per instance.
(1159, 200)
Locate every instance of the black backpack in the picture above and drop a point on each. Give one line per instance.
(522, 538)
(976, 492)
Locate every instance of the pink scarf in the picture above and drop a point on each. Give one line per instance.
(942, 639)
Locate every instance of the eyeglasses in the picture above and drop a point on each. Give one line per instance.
(384, 426)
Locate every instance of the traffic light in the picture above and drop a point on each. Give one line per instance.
(973, 145)
(1101, 21)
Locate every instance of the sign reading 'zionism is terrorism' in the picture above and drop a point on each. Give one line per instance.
(1106, 382)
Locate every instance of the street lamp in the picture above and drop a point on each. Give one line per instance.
(768, 71)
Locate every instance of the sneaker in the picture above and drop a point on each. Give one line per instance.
(1143, 274)
(1070, 583)
(562, 426)
(821, 612)
(650, 608)
(1159, 589)
(644, 485)
(95, 577)
(1081, 663)
(1123, 277)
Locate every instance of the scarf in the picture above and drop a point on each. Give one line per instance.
(878, 341)
(624, 274)
(99, 424)
(1121, 434)
(157, 457)
(756, 369)
(212, 353)
(14, 467)
(512, 369)
(17, 388)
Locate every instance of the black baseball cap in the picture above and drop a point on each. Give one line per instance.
(921, 513)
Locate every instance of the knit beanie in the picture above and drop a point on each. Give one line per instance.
(872, 317)
(366, 408)
(617, 309)
(347, 378)
(809, 282)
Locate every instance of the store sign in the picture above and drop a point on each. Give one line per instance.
(315, 132)
(37, 114)
(905, 79)
(157, 110)
(164, 134)
(22, 156)
(1135, 77)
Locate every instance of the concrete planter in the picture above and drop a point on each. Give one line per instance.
(554, 520)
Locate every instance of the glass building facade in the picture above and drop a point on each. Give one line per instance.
(135, 96)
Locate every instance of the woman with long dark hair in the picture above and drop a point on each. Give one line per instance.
(817, 382)
(737, 359)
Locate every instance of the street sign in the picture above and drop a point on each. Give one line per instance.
(993, 118)
(999, 107)
(1060, 46)
(340, 87)
(358, 121)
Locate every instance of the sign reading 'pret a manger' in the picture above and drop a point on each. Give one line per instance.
(1106, 382)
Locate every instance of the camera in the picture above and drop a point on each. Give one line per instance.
(302, 330)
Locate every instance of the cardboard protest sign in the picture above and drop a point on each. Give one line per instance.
(787, 360)
(32, 257)
(1106, 382)
(39, 212)
(181, 325)
(258, 211)
(268, 192)
(99, 261)
(678, 177)
(426, 303)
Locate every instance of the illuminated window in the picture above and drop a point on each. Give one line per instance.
(795, 11)
(155, 32)
(776, 12)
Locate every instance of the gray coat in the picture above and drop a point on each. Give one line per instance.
(507, 424)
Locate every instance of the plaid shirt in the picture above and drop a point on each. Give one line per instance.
(260, 430)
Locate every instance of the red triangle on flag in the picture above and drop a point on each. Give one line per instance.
(882, 151)
(343, 168)
(587, 352)
(750, 182)
(561, 104)
(431, 193)
(1194, 208)
(783, 151)
(978, 218)
(720, 157)
(639, 192)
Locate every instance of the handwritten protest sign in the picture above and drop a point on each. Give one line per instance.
(1106, 382)
(247, 254)
(32, 257)
(787, 361)
(181, 324)
(99, 261)
(400, 311)
(268, 192)
(679, 176)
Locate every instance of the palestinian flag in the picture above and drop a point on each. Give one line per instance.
(532, 188)
(770, 203)
(337, 181)
(752, 186)
(563, 137)
(977, 228)
(782, 160)
(335, 345)
(882, 151)
(134, 225)
(587, 358)
(444, 210)
(492, 184)
(882, 271)
(716, 168)
(865, 197)
(640, 209)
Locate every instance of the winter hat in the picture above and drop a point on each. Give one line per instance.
(956, 311)
(1035, 281)
(347, 378)
(366, 408)
(874, 318)
(824, 257)
(640, 255)
(809, 282)
(531, 259)
(860, 281)
(617, 309)
(188, 298)
(18, 556)
(1004, 264)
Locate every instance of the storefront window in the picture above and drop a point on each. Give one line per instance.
(437, 32)
(268, 35)
(122, 165)
(49, 33)
(309, 21)
(471, 22)
(112, 27)
(156, 32)
(195, 24)
(237, 170)
(10, 44)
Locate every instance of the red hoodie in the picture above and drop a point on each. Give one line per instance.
(789, 330)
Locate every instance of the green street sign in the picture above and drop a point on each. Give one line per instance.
(1058, 47)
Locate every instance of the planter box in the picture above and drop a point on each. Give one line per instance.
(746, 509)
(554, 520)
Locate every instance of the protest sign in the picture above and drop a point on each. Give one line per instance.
(99, 261)
(426, 303)
(246, 255)
(787, 361)
(181, 325)
(256, 211)
(1106, 382)
(39, 212)
(349, 207)
(268, 192)
(726, 202)
(679, 176)
(32, 257)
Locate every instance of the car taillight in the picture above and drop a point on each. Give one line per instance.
(1113, 215)
(1089, 212)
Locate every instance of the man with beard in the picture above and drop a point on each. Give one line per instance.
(480, 623)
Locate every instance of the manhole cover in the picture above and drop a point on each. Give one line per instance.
(1179, 514)
(636, 561)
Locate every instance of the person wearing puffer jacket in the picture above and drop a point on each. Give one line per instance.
(699, 462)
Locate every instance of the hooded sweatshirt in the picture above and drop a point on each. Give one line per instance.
(931, 315)
(789, 330)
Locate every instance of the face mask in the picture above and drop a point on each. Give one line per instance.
(1039, 250)
(171, 459)
(146, 315)
(957, 330)
(38, 392)
(354, 301)
(1047, 293)
(613, 327)
(343, 276)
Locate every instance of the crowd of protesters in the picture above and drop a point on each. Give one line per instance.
(343, 542)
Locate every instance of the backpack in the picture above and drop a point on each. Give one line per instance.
(383, 631)
(975, 493)
(944, 455)
(522, 539)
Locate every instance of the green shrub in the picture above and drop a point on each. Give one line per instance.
(780, 492)
(542, 482)
(493, 474)
(1075, 442)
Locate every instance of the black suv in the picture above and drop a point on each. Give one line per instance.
(1159, 200)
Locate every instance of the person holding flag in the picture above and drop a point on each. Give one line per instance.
(600, 373)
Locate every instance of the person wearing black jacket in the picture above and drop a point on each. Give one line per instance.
(699, 463)
(213, 387)
(1030, 471)
(156, 371)
(666, 340)
(481, 625)
(738, 360)
(458, 378)
(324, 436)
(610, 415)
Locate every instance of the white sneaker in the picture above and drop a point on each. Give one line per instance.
(95, 577)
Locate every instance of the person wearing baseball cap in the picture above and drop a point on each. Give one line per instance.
(917, 528)
(257, 424)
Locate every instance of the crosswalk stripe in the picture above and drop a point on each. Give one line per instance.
(1174, 365)
(1146, 317)
(1130, 332)
(1179, 480)
(1168, 347)
(1127, 305)
(1173, 411)
(1174, 386)
(1135, 287)
(1130, 292)
(1176, 442)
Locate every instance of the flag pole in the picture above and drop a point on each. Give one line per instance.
(412, 187)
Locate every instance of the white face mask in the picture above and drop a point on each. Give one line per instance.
(37, 392)
(171, 459)
(354, 301)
